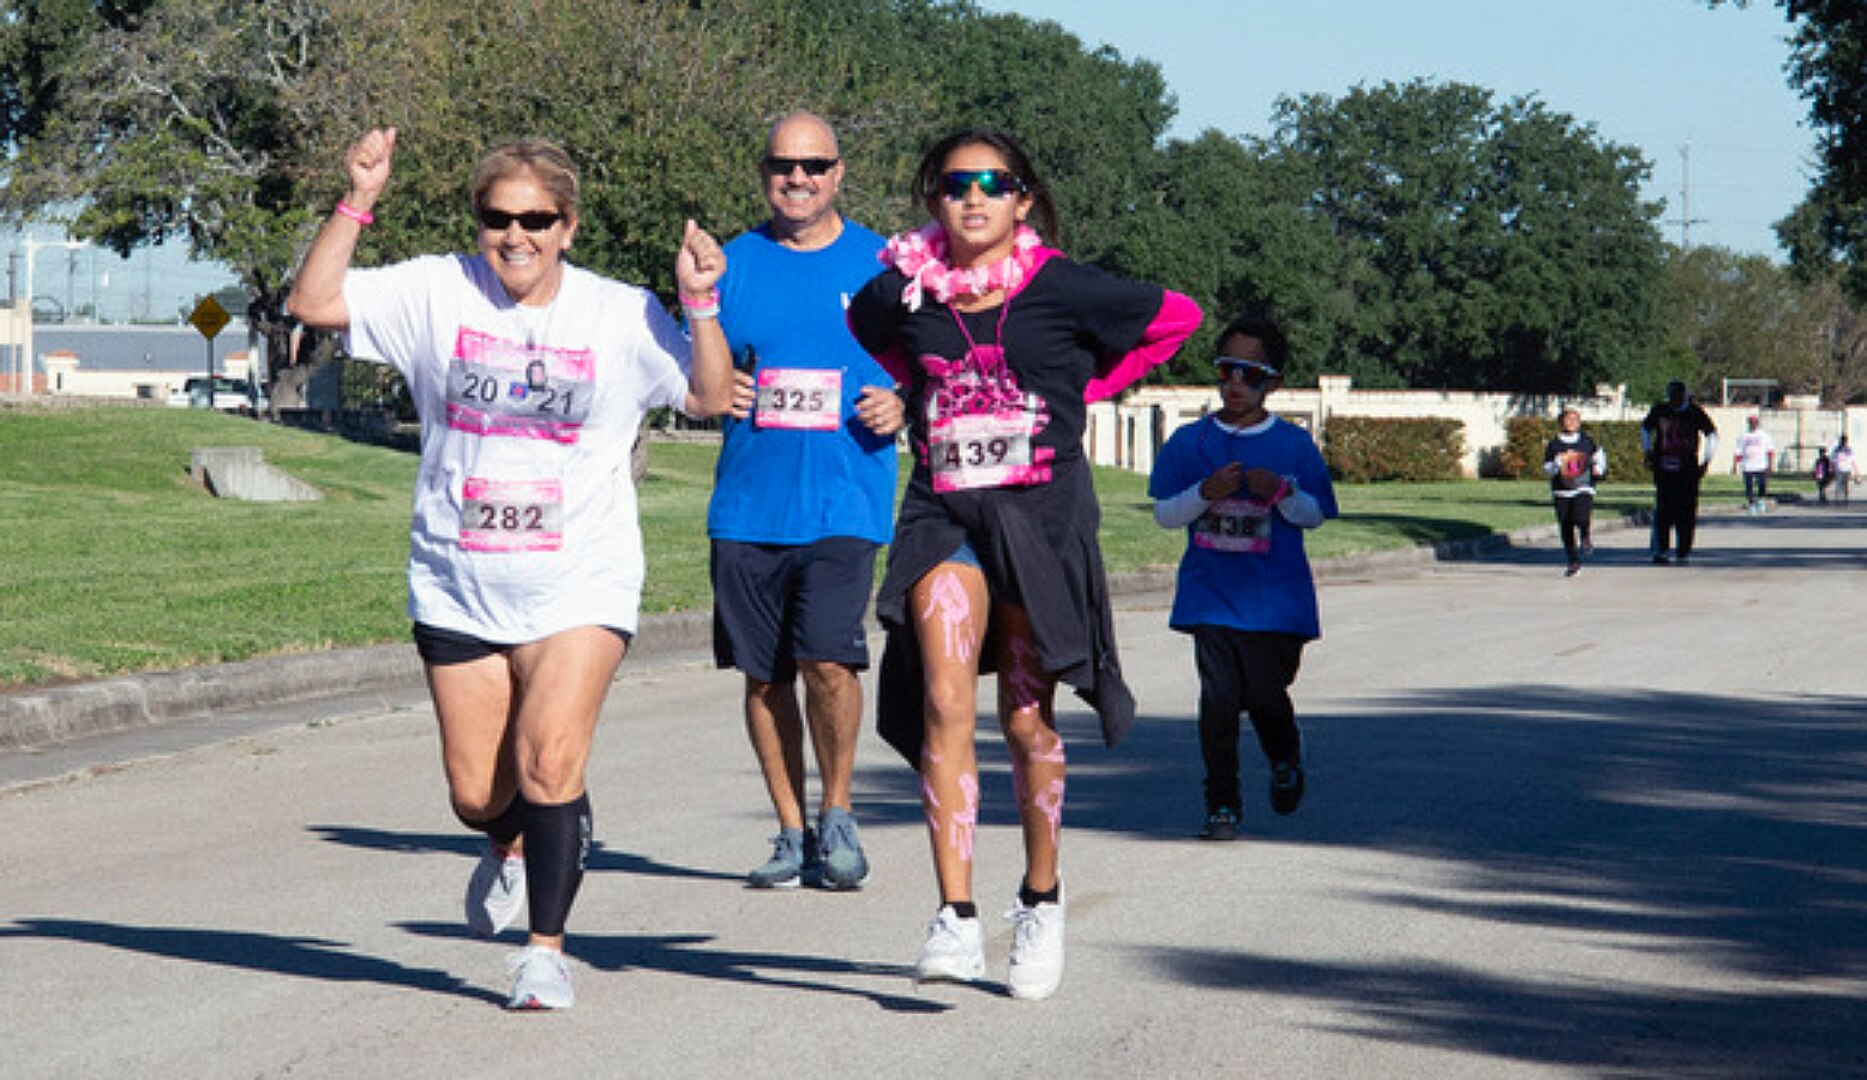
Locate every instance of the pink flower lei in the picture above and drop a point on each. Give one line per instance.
(921, 256)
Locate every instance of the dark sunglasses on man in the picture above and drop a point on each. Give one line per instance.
(1254, 373)
(812, 166)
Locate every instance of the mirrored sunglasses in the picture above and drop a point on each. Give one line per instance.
(812, 166)
(993, 183)
(1253, 373)
(529, 220)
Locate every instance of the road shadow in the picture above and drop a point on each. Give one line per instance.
(1609, 1031)
(1729, 830)
(1713, 548)
(602, 859)
(272, 954)
(688, 954)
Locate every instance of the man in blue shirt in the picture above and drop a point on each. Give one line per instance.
(803, 496)
(1245, 484)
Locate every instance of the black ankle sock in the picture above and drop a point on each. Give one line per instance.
(965, 909)
(1030, 898)
(507, 826)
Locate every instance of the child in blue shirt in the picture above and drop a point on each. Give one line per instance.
(1245, 485)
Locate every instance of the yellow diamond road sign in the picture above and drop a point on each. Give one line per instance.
(209, 317)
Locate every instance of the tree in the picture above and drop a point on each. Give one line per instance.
(1483, 246)
(1743, 317)
(223, 122)
(1828, 67)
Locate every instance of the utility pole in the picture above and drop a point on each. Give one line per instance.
(1685, 220)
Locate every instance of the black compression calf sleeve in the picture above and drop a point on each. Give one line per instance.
(557, 841)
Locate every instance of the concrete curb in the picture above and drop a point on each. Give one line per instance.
(35, 718)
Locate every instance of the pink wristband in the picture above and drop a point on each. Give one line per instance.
(710, 300)
(361, 217)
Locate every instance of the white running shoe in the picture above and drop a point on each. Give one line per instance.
(954, 951)
(1036, 950)
(541, 980)
(496, 891)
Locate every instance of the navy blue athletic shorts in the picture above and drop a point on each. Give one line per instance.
(775, 604)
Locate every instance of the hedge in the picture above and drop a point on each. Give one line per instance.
(1526, 437)
(1362, 450)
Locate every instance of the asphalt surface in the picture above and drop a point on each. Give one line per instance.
(1608, 826)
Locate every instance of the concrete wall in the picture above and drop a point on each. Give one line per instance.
(1127, 435)
(65, 375)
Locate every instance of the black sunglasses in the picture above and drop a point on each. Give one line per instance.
(812, 166)
(993, 183)
(529, 220)
(1253, 375)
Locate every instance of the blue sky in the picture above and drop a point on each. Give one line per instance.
(149, 285)
(1654, 74)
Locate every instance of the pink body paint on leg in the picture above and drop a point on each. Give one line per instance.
(961, 822)
(1050, 801)
(946, 597)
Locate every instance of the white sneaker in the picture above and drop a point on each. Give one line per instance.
(954, 951)
(1036, 950)
(541, 980)
(496, 891)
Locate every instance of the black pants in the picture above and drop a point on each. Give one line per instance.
(1246, 672)
(1675, 510)
(1573, 515)
(1756, 486)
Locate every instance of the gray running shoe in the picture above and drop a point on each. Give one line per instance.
(540, 979)
(840, 852)
(496, 891)
(785, 869)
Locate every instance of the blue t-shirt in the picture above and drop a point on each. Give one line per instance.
(1244, 566)
(803, 467)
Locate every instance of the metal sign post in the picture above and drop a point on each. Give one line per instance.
(209, 318)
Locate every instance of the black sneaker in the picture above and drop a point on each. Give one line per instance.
(1574, 569)
(1661, 559)
(1286, 786)
(1221, 824)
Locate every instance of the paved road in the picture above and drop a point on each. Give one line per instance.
(1614, 826)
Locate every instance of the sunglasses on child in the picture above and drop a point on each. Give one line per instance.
(812, 166)
(1252, 373)
(530, 220)
(992, 183)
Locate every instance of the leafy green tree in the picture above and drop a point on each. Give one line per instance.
(1744, 317)
(1828, 67)
(1481, 246)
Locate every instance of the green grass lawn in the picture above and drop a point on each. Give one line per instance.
(114, 561)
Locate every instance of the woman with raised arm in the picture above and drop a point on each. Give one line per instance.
(531, 377)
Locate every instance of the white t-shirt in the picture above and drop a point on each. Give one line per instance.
(525, 514)
(1753, 450)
